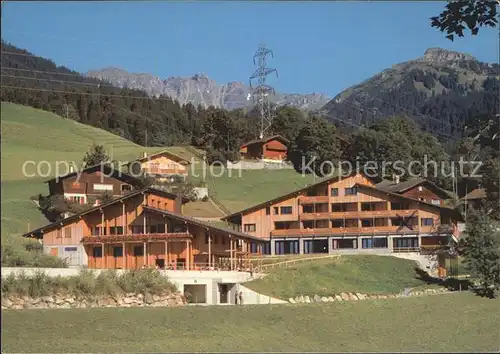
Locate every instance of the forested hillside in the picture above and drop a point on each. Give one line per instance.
(440, 91)
(38, 82)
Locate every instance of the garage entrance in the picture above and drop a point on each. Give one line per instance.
(196, 293)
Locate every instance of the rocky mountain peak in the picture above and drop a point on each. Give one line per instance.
(439, 54)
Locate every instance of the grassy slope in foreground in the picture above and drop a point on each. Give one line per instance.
(448, 322)
(37, 135)
(364, 274)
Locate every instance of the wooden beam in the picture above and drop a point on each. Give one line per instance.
(209, 250)
(124, 251)
(124, 219)
(145, 254)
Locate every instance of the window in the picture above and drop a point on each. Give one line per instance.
(427, 221)
(70, 249)
(67, 232)
(59, 233)
(138, 251)
(97, 252)
(116, 230)
(268, 210)
(118, 251)
(249, 227)
(160, 228)
(103, 187)
(334, 192)
(351, 191)
(153, 229)
(367, 223)
(126, 187)
(276, 210)
(286, 210)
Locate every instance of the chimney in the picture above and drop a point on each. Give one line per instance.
(178, 203)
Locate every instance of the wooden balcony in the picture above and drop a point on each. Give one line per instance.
(358, 214)
(164, 171)
(316, 199)
(136, 238)
(340, 231)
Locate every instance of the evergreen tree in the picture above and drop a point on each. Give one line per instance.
(95, 155)
(481, 248)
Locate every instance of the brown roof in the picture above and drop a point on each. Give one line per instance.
(171, 155)
(478, 193)
(401, 187)
(105, 168)
(76, 216)
(265, 140)
(291, 194)
(207, 225)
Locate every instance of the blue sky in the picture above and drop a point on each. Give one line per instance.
(318, 46)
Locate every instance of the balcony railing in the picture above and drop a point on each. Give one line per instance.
(339, 231)
(164, 171)
(357, 214)
(314, 199)
(135, 238)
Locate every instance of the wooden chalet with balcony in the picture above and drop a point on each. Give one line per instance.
(161, 165)
(92, 181)
(144, 228)
(271, 148)
(348, 214)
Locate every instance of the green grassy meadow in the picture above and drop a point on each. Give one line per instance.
(458, 322)
(368, 274)
(30, 134)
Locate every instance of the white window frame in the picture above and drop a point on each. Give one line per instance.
(102, 187)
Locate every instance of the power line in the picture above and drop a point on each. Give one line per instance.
(261, 92)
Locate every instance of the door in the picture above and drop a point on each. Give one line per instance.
(224, 293)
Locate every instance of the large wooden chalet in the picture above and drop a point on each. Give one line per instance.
(352, 214)
(144, 228)
(271, 148)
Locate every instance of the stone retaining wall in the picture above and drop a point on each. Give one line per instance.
(359, 296)
(14, 302)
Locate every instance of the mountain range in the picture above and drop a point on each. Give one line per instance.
(199, 89)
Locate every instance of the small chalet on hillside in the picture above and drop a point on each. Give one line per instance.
(144, 228)
(92, 181)
(163, 164)
(271, 148)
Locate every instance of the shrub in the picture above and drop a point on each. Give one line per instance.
(22, 252)
(108, 282)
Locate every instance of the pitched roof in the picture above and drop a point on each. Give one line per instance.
(104, 168)
(265, 140)
(478, 193)
(198, 222)
(397, 195)
(171, 155)
(401, 187)
(104, 205)
(293, 193)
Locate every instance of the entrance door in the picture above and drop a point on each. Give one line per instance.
(160, 263)
(224, 293)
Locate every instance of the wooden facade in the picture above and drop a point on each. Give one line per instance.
(92, 181)
(272, 148)
(162, 164)
(146, 228)
(350, 207)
